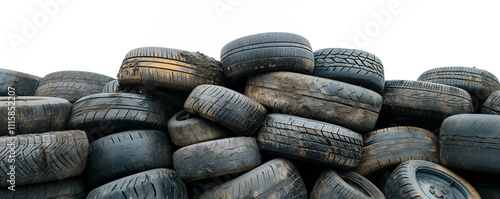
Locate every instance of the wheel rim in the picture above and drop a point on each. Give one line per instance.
(436, 184)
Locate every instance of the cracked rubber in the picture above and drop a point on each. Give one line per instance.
(492, 104)
(23, 83)
(344, 184)
(110, 87)
(73, 188)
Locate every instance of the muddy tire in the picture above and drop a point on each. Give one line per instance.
(471, 142)
(226, 107)
(43, 157)
(344, 184)
(71, 85)
(187, 129)
(310, 140)
(351, 66)
(389, 147)
(73, 188)
(33, 114)
(318, 98)
(216, 158)
(111, 87)
(492, 104)
(154, 184)
(24, 84)
(266, 52)
(423, 179)
(278, 178)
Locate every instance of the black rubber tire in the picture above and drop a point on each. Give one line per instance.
(318, 98)
(310, 140)
(107, 113)
(71, 85)
(278, 178)
(479, 83)
(471, 142)
(169, 68)
(389, 147)
(33, 114)
(266, 52)
(151, 184)
(423, 179)
(351, 66)
(73, 188)
(344, 184)
(126, 153)
(172, 97)
(492, 104)
(111, 86)
(23, 83)
(227, 108)
(216, 158)
(43, 157)
(187, 129)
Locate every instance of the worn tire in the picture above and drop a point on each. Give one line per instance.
(344, 184)
(216, 158)
(187, 129)
(278, 178)
(471, 142)
(43, 157)
(492, 104)
(266, 52)
(226, 107)
(73, 188)
(351, 66)
(23, 83)
(389, 147)
(423, 179)
(318, 98)
(33, 114)
(110, 87)
(151, 184)
(71, 85)
(310, 140)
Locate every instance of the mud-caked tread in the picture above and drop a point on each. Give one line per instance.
(111, 86)
(23, 84)
(351, 66)
(226, 107)
(43, 157)
(152, 184)
(310, 140)
(318, 98)
(492, 104)
(73, 188)
(344, 184)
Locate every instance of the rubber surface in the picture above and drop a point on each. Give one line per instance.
(344, 184)
(73, 188)
(24, 84)
(111, 87)
(492, 104)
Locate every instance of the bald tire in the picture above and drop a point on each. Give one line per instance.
(344, 184)
(23, 84)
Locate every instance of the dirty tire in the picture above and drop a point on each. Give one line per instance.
(318, 98)
(344, 184)
(266, 52)
(33, 114)
(423, 179)
(169, 68)
(389, 147)
(278, 178)
(126, 153)
(71, 85)
(172, 97)
(226, 107)
(471, 142)
(151, 184)
(23, 84)
(351, 66)
(310, 140)
(73, 188)
(492, 104)
(44, 157)
(186, 129)
(216, 158)
(110, 87)
(106, 113)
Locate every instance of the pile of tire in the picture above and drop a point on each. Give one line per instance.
(271, 119)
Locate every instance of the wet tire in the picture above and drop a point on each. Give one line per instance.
(344, 184)
(492, 104)
(24, 84)
(111, 87)
(73, 188)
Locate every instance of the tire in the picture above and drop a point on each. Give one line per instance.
(107, 113)
(33, 114)
(126, 153)
(351, 66)
(171, 97)
(169, 68)
(267, 52)
(43, 157)
(386, 148)
(73, 188)
(423, 179)
(151, 184)
(322, 99)
(24, 84)
(226, 107)
(492, 104)
(278, 178)
(110, 87)
(187, 129)
(471, 142)
(71, 85)
(216, 158)
(310, 140)
(344, 184)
